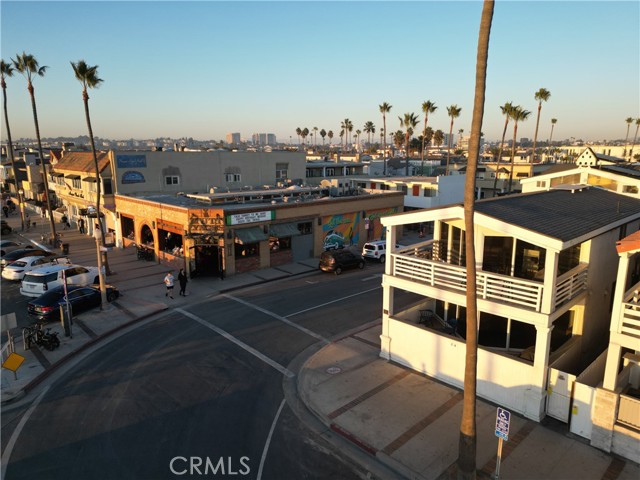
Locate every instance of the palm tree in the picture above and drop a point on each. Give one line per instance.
(28, 66)
(467, 444)
(358, 132)
(460, 132)
(88, 77)
(330, 135)
(427, 108)
(518, 115)
(453, 112)
(299, 133)
(6, 70)
(398, 139)
(629, 121)
(409, 122)
(438, 138)
(384, 109)
(541, 95)
(304, 135)
(347, 127)
(369, 128)
(553, 124)
(323, 133)
(507, 108)
(634, 138)
(315, 137)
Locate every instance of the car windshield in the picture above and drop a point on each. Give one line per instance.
(18, 264)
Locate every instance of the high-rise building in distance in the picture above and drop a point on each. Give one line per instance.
(263, 139)
(233, 138)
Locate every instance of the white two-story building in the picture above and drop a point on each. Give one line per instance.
(546, 269)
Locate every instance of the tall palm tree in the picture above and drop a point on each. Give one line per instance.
(460, 132)
(517, 115)
(467, 443)
(454, 112)
(6, 70)
(384, 109)
(345, 125)
(28, 66)
(323, 133)
(541, 95)
(299, 133)
(330, 135)
(315, 137)
(88, 77)
(629, 121)
(409, 122)
(427, 108)
(507, 108)
(553, 124)
(369, 128)
(357, 141)
(304, 134)
(634, 138)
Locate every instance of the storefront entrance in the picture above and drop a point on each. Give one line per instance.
(207, 260)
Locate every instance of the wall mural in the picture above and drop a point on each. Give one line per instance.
(373, 226)
(340, 230)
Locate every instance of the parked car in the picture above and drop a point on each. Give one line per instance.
(8, 246)
(38, 281)
(24, 252)
(47, 306)
(338, 260)
(376, 250)
(5, 229)
(18, 269)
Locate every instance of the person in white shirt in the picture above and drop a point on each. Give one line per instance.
(168, 281)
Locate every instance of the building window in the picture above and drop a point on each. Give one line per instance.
(630, 189)
(232, 177)
(541, 184)
(76, 183)
(282, 171)
(429, 192)
(108, 188)
(172, 180)
(331, 172)
(305, 228)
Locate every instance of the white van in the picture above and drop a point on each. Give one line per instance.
(36, 282)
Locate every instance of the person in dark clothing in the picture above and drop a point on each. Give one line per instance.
(182, 279)
(81, 225)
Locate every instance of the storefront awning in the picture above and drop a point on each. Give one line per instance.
(72, 177)
(245, 236)
(284, 230)
(89, 179)
(57, 174)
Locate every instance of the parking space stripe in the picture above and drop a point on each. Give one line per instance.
(241, 344)
(333, 301)
(277, 317)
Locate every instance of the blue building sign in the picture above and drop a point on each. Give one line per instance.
(132, 177)
(503, 418)
(131, 161)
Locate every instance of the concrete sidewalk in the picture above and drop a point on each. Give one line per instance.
(411, 422)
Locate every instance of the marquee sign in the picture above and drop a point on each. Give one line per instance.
(250, 217)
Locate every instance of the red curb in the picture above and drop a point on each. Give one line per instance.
(353, 439)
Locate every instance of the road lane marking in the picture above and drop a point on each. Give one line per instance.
(266, 445)
(332, 301)
(241, 344)
(6, 455)
(278, 317)
(373, 277)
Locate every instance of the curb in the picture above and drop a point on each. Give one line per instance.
(53, 367)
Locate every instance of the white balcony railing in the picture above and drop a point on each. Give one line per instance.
(630, 320)
(629, 411)
(490, 286)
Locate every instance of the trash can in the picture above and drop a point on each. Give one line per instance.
(65, 249)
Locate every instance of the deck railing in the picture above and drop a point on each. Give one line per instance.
(630, 320)
(629, 411)
(416, 264)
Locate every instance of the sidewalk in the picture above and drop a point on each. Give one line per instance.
(411, 422)
(142, 295)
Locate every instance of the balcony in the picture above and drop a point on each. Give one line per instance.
(629, 323)
(416, 263)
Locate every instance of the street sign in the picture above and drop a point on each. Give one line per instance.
(13, 362)
(503, 417)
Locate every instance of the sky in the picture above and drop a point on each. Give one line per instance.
(203, 69)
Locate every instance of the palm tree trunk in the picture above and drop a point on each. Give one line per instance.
(11, 154)
(384, 145)
(504, 133)
(467, 444)
(513, 154)
(43, 168)
(535, 135)
(424, 134)
(406, 161)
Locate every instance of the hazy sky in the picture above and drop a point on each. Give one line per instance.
(206, 68)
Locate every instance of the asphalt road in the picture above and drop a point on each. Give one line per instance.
(199, 388)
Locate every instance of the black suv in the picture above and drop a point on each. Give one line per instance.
(338, 260)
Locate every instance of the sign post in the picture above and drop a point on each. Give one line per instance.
(503, 418)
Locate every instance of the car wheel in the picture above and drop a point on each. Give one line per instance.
(96, 280)
(381, 258)
(111, 297)
(338, 270)
(361, 265)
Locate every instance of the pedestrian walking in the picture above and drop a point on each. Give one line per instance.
(5, 210)
(65, 222)
(168, 281)
(182, 279)
(81, 225)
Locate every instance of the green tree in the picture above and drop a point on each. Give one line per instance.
(541, 95)
(304, 135)
(454, 112)
(88, 77)
(28, 66)
(323, 133)
(384, 109)
(6, 70)
(629, 121)
(330, 135)
(438, 138)
(467, 443)
(409, 122)
(428, 107)
(369, 128)
(507, 108)
(517, 115)
(398, 139)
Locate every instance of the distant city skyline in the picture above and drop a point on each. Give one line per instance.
(204, 69)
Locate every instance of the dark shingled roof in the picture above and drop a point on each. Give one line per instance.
(561, 214)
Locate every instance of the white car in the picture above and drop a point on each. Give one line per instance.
(16, 270)
(38, 281)
(7, 246)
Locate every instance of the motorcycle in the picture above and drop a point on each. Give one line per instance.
(38, 335)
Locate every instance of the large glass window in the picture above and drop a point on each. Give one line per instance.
(568, 259)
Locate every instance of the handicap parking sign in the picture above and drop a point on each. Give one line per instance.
(503, 417)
